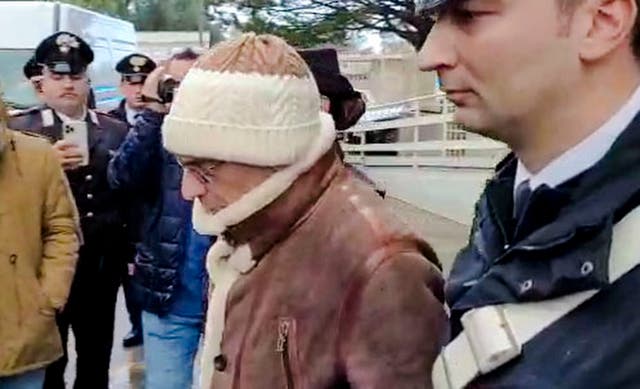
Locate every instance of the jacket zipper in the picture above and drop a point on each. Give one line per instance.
(282, 347)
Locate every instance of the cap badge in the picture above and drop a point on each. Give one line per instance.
(66, 42)
(137, 62)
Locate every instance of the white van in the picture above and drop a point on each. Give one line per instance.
(24, 24)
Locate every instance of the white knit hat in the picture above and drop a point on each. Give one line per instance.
(254, 118)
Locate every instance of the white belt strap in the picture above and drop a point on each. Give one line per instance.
(494, 335)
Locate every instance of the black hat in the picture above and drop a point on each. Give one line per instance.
(31, 68)
(64, 53)
(326, 70)
(135, 67)
(347, 105)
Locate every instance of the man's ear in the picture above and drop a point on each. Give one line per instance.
(608, 24)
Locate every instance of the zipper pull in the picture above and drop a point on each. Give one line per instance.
(283, 334)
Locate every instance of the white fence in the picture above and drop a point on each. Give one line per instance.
(447, 145)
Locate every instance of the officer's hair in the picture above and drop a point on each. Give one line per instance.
(568, 6)
(187, 54)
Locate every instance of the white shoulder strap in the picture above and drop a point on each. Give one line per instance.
(94, 117)
(494, 335)
(48, 119)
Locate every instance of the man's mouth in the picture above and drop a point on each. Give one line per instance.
(458, 96)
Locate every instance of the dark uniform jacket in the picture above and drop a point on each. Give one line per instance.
(100, 207)
(120, 113)
(595, 345)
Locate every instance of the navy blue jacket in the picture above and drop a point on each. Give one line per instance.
(594, 346)
(120, 112)
(143, 168)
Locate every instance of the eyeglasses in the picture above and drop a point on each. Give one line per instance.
(202, 171)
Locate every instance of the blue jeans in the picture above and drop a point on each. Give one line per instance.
(170, 347)
(29, 380)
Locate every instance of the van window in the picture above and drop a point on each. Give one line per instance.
(104, 78)
(17, 91)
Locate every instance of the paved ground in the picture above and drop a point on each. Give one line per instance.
(445, 235)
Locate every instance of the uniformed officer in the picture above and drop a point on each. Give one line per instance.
(64, 58)
(134, 69)
(545, 294)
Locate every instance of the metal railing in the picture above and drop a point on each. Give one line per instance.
(447, 144)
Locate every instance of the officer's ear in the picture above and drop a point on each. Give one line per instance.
(604, 25)
(37, 85)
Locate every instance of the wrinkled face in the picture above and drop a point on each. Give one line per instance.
(219, 184)
(502, 62)
(132, 94)
(64, 92)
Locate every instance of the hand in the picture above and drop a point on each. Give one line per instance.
(69, 154)
(131, 269)
(150, 89)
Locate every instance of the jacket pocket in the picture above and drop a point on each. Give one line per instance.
(285, 347)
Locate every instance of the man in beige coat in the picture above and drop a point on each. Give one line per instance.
(315, 283)
(39, 241)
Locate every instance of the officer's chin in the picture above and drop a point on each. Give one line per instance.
(70, 101)
(137, 103)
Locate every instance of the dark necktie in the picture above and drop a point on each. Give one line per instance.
(521, 200)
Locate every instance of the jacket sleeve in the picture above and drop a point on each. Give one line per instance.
(139, 158)
(395, 327)
(61, 235)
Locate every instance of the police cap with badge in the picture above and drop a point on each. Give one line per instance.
(135, 68)
(64, 53)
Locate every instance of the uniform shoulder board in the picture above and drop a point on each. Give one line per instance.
(104, 114)
(23, 112)
(107, 118)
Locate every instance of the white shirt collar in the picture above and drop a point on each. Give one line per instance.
(131, 114)
(586, 153)
(67, 119)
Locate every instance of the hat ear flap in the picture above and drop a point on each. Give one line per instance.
(347, 111)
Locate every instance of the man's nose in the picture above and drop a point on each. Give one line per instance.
(438, 51)
(191, 186)
(68, 82)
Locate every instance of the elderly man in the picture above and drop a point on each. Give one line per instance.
(38, 250)
(545, 294)
(315, 284)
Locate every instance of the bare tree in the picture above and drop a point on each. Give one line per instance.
(312, 22)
